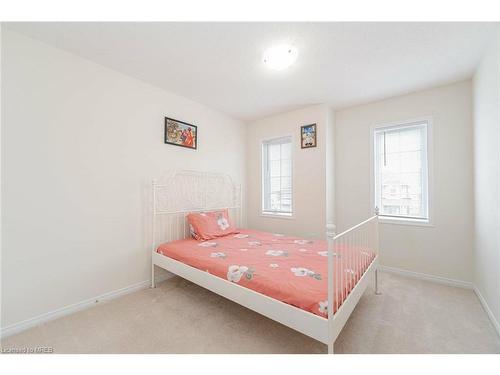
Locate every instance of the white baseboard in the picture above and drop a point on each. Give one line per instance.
(70, 309)
(425, 276)
(450, 282)
(486, 308)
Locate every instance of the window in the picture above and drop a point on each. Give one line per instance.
(401, 171)
(277, 176)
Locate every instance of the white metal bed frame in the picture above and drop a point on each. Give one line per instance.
(181, 192)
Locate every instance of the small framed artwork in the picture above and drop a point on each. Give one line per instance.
(308, 136)
(180, 133)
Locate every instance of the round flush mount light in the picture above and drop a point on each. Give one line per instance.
(280, 57)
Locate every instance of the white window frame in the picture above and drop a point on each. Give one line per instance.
(271, 214)
(387, 219)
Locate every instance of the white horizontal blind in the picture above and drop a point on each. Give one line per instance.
(401, 171)
(277, 176)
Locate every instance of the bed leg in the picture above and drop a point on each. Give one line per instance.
(377, 292)
(330, 348)
(153, 284)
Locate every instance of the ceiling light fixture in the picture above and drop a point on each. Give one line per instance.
(280, 57)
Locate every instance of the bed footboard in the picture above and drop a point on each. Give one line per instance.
(352, 262)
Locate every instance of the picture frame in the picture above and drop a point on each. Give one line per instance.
(308, 136)
(180, 133)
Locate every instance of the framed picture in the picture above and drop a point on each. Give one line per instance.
(180, 133)
(308, 136)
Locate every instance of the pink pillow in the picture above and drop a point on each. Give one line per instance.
(209, 225)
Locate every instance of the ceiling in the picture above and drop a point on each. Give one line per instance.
(220, 64)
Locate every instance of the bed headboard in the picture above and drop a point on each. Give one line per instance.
(183, 191)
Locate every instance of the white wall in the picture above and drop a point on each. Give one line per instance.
(309, 172)
(81, 144)
(486, 176)
(330, 167)
(446, 248)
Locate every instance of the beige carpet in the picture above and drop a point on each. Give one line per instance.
(411, 316)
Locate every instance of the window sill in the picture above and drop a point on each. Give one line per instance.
(403, 221)
(277, 216)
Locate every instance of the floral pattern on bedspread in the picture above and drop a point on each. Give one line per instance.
(289, 269)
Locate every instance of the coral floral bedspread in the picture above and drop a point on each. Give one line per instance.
(289, 269)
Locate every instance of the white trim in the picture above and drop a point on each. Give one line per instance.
(404, 221)
(430, 171)
(73, 308)
(268, 214)
(277, 216)
(486, 308)
(427, 277)
(449, 282)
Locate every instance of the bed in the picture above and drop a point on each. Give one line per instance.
(309, 285)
